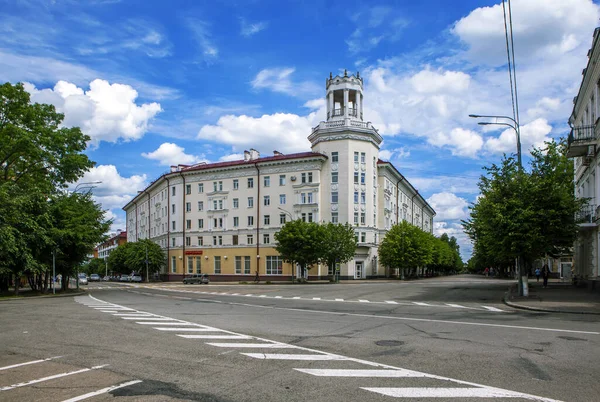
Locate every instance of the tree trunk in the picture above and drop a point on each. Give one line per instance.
(17, 283)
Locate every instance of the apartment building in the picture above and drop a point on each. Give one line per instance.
(221, 218)
(103, 250)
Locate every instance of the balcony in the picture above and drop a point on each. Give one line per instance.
(579, 141)
(586, 217)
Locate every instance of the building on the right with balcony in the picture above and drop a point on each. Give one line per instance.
(583, 148)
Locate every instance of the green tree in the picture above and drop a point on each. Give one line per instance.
(136, 257)
(300, 242)
(95, 266)
(339, 244)
(405, 246)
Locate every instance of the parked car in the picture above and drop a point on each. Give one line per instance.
(94, 278)
(196, 278)
(124, 278)
(135, 278)
(83, 280)
(106, 278)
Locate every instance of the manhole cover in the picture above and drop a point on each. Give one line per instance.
(389, 343)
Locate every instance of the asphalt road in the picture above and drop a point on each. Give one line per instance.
(436, 339)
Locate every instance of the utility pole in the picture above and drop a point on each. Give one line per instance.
(147, 278)
(53, 272)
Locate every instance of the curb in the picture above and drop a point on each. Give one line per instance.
(43, 296)
(539, 309)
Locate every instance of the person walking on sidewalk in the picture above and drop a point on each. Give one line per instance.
(545, 274)
(537, 274)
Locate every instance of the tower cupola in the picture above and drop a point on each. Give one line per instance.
(344, 97)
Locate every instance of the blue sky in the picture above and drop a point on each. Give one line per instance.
(158, 83)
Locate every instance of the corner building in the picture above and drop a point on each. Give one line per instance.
(221, 218)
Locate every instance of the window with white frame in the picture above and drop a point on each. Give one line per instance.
(282, 180)
(334, 197)
(334, 177)
(236, 221)
(250, 220)
(236, 184)
(303, 216)
(250, 202)
(334, 217)
(236, 203)
(363, 237)
(188, 223)
(267, 200)
(363, 198)
(188, 189)
(200, 187)
(274, 265)
(188, 207)
(356, 218)
(200, 241)
(173, 190)
(249, 239)
(173, 207)
(355, 177)
(190, 265)
(356, 157)
(172, 242)
(334, 157)
(363, 218)
(362, 157)
(173, 225)
(363, 178)
(267, 181)
(310, 216)
(218, 223)
(246, 264)
(356, 197)
(200, 223)
(173, 262)
(282, 199)
(309, 198)
(217, 264)
(282, 219)
(200, 205)
(267, 219)
(250, 182)
(266, 238)
(238, 265)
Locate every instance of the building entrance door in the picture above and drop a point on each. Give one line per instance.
(565, 270)
(359, 270)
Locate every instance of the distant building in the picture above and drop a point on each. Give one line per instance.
(221, 218)
(582, 146)
(103, 250)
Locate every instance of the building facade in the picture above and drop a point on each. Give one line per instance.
(583, 142)
(221, 218)
(104, 249)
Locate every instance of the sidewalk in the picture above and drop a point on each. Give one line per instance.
(558, 297)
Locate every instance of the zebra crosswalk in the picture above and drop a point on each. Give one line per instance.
(262, 349)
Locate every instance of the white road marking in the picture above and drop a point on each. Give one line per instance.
(52, 377)
(252, 345)
(249, 294)
(450, 393)
(164, 323)
(391, 302)
(339, 299)
(296, 297)
(215, 336)
(182, 298)
(278, 297)
(185, 329)
(316, 298)
(361, 373)
(28, 363)
(262, 296)
(133, 315)
(148, 318)
(422, 304)
(277, 356)
(102, 391)
(110, 311)
(363, 301)
(455, 305)
(491, 308)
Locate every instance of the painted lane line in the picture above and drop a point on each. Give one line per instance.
(164, 323)
(235, 294)
(52, 377)
(339, 299)
(262, 296)
(250, 294)
(363, 301)
(455, 305)
(215, 336)
(391, 302)
(102, 391)
(185, 329)
(182, 298)
(278, 297)
(109, 311)
(422, 304)
(362, 373)
(29, 362)
(492, 308)
(450, 393)
(138, 314)
(277, 356)
(295, 297)
(252, 345)
(148, 318)
(316, 298)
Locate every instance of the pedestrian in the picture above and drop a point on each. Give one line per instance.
(537, 274)
(486, 271)
(545, 274)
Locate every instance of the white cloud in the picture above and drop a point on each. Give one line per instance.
(374, 25)
(532, 135)
(428, 81)
(249, 29)
(454, 184)
(231, 157)
(448, 206)
(315, 104)
(454, 229)
(106, 112)
(168, 154)
(461, 142)
(279, 80)
(203, 37)
(397, 153)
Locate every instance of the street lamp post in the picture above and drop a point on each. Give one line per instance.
(53, 272)
(147, 278)
(105, 266)
(89, 185)
(512, 123)
(286, 212)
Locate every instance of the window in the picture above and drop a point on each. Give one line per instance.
(363, 198)
(214, 240)
(173, 242)
(200, 187)
(274, 265)
(267, 200)
(173, 190)
(250, 220)
(267, 181)
(362, 218)
(173, 263)
(355, 177)
(363, 178)
(218, 223)
(306, 177)
(236, 221)
(250, 202)
(246, 264)
(217, 186)
(356, 218)
(217, 264)
(362, 157)
(217, 240)
(334, 157)
(334, 197)
(200, 241)
(190, 264)
(310, 216)
(363, 237)
(188, 224)
(238, 265)
(334, 177)
(236, 203)
(172, 208)
(250, 182)
(235, 240)
(356, 157)
(173, 225)
(236, 184)
(188, 207)
(303, 216)
(303, 198)
(249, 239)
(200, 223)
(282, 180)
(198, 265)
(267, 219)
(282, 219)
(200, 205)
(282, 199)
(356, 197)
(266, 238)
(310, 198)
(217, 205)
(334, 217)
(188, 189)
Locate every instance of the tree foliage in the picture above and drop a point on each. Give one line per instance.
(131, 257)
(524, 214)
(338, 243)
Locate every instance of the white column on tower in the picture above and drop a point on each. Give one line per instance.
(345, 106)
(330, 105)
(358, 105)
